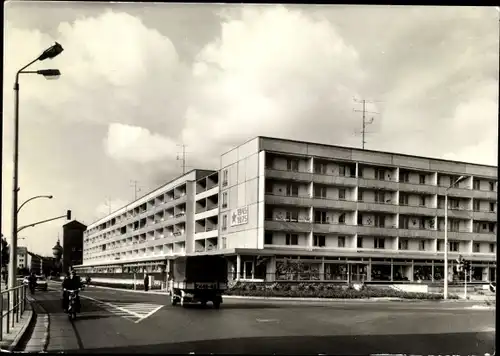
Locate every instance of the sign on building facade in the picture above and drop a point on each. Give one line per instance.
(239, 216)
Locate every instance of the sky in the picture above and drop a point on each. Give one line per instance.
(138, 80)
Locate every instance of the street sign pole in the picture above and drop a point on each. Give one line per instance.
(465, 285)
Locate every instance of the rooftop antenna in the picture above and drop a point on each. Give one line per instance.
(181, 156)
(365, 122)
(137, 189)
(108, 204)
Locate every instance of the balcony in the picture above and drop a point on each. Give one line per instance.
(483, 194)
(418, 233)
(288, 175)
(276, 199)
(377, 184)
(485, 215)
(377, 231)
(377, 207)
(340, 229)
(325, 203)
(287, 226)
(417, 188)
(416, 210)
(456, 192)
(326, 179)
(456, 213)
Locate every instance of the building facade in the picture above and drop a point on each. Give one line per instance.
(72, 252)
(291, 210)
(22, 257)
(177, 218)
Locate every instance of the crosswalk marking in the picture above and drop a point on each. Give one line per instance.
(139, 311)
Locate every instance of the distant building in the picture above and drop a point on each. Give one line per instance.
(39, 264)
(22, 257)
(72, 253)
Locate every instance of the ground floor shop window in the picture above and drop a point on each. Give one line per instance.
(381, 272)
(422, 273)
(335, 272)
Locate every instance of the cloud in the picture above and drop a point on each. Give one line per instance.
(272, 71)
(126, 142)
(105, 207)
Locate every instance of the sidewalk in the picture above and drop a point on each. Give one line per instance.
(388, 299)
(11, 339)
(40, 336)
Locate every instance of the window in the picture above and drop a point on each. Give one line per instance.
(404, 177)
(341, 241)
(492, 207)
(320, 217)
(476, 205)
(439, 180)
(454, 246)
(403, 244)
(379, 220)
(225, 174)
(476, 247)
(454, 225)
(380, 243)
(342, 218)
(320, 168)
(360, 242)
(224, 222)
(269, 187)
(492, 186)
(422, 179)
(342, 170)
(453, 204)
(268, 238)
(421, 245)
(492, 248)
(403, 199)
(360, 172)
(404, 222)
(476, 184)
(380, 174)
(360, 195)
(292, 215)
(379, 196)
(292, 190)
(292, 239)
(224, 200)
(422, 200)
(440, 245)
(360, 219)
(292, 165)
(269, 162)
(491, 227)
(319, 192)
(319, 240)
(341, 194)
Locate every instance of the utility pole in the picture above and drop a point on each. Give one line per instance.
(137, 189)
(365, 123)
(182, 157)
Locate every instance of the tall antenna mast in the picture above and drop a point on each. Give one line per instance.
(108, 204)
(182, 157)
(365, 122)
(137, 189)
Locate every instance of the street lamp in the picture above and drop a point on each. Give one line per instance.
(49, 53)
(445, 289)
(33, 198)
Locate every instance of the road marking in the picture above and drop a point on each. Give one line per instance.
(267, 320)
(149, 314)
(140, 311)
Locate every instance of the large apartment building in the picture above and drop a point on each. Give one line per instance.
(298, 210)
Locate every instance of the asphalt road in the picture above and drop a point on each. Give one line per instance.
(116, 321)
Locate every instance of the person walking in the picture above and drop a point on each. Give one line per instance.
(146, 282)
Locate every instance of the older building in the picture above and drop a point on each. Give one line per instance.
(22, 257)
(72, 252)
(308, 211)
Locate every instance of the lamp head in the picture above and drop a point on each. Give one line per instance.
(51, 52)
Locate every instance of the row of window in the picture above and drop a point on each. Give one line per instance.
(380, 173)
(379, 243)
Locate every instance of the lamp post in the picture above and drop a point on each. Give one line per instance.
(49, 53)
(445, 289)
(33, 198)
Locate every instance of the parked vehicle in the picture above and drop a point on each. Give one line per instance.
(198, 279)
(41, 283)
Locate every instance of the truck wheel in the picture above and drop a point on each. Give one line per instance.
(203, 303)
(174, 301)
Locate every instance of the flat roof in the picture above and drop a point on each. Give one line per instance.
(363, 150)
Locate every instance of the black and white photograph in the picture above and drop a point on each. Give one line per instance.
(238, 178)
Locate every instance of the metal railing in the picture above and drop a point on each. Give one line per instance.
(12, 307)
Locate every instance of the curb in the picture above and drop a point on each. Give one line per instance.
(22, 332)
(354, 300)
(44, 320)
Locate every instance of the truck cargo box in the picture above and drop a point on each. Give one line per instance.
(200, 269)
